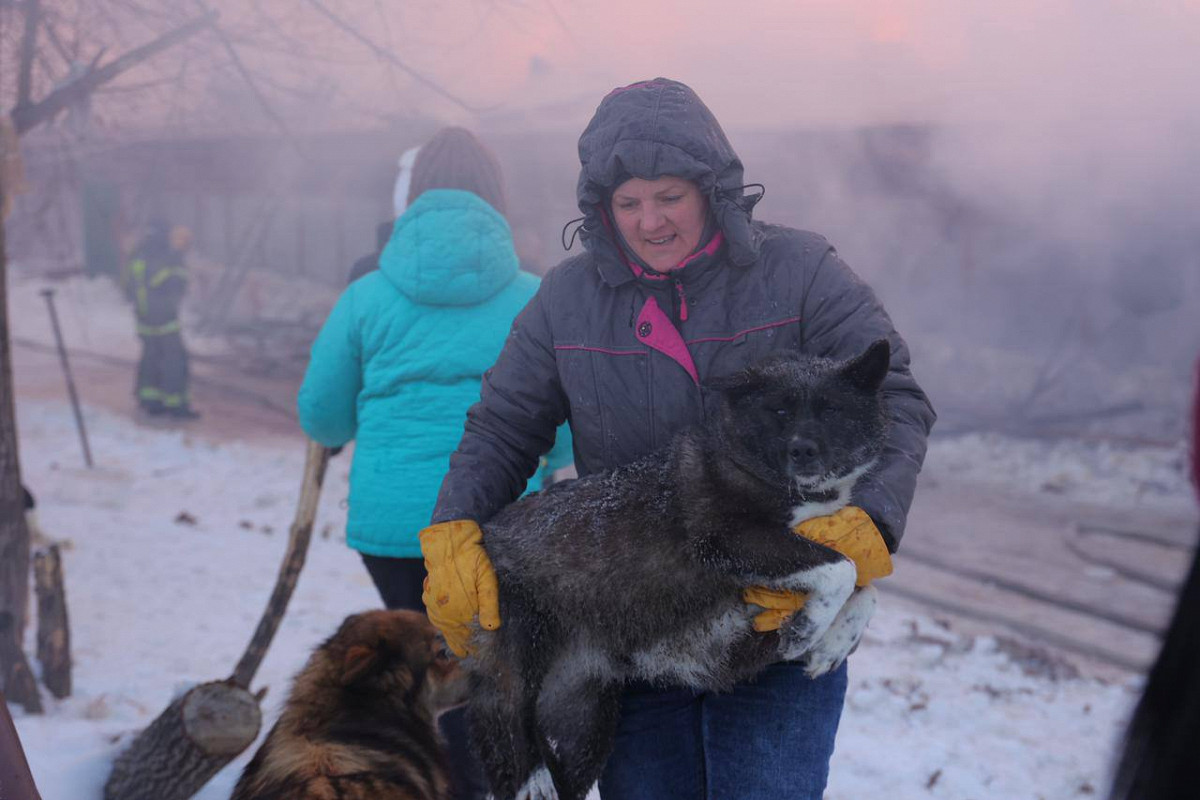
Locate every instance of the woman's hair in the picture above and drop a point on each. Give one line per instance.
(455, 159)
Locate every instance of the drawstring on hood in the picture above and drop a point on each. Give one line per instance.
(578, 223)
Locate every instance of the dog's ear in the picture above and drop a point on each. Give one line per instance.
(867, 370)
(734, 387)
(358, 662)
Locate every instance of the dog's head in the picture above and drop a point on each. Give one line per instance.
(398, 657)
(806, 422)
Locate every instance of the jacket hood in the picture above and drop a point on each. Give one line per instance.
(450, 248)
(655, 128)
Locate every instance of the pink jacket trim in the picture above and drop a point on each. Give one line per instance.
(713, 245)
(654, 328)
(779, 324)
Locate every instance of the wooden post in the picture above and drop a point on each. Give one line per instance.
(53, 632)
(289, 571)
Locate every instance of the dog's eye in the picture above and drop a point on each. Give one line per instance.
(782, 412)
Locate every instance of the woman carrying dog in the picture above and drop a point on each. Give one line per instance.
(402, 355)
(676, 285)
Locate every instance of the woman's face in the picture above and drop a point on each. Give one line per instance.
(662, 220)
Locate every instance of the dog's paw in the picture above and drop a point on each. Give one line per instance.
(540, 786)
(843, 635)
(828, 588)
(796, 637)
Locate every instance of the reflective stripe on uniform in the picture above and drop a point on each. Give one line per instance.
(168, 399)
(164, 274)
(137, 272)
(158, 330)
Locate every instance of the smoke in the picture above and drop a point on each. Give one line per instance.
(1020, 177)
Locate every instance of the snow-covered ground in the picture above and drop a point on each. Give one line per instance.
(175, 543)
(1095, 472)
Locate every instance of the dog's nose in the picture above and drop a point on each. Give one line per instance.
(802, 451)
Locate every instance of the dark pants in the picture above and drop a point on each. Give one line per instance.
(162, 375)
(768, 738)
(400, 582)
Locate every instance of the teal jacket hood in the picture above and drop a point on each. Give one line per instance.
(450, 248)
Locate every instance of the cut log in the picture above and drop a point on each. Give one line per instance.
(53, 632)
(197, 735)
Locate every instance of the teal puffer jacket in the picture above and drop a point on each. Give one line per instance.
(401, 359)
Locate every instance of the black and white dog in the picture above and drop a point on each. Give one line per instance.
(638, 573)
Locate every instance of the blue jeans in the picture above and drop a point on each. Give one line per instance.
(771, 738)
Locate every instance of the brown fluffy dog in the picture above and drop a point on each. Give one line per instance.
(360, 721)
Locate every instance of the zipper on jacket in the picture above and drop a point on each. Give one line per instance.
(680, 304)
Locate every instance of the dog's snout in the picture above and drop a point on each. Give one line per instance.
(803, 450)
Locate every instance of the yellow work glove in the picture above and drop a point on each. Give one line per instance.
(849, 531)
(461, 583)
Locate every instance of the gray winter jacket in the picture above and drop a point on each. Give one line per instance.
(624, 353)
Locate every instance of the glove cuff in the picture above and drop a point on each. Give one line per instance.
(851, 532)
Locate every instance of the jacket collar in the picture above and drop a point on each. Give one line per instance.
(617, 266)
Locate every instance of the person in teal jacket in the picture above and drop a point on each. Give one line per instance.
(400, 360)
(402, 355)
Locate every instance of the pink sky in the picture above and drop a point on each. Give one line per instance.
(781, 62)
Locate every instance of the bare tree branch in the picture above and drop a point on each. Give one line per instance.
(52, 35)
(388, 56)
(29, 116)
(258, 95)
(28, 50)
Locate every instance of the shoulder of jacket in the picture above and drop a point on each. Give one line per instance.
(781, 240)
(527, 280)
(790, 253)
(571, 275)
(374, 295)
(578, 266)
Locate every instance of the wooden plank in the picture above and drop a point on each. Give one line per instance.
(53, 630)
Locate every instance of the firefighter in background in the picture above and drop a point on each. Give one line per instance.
(156, 282)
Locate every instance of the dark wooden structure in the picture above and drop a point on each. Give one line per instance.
(53, 630)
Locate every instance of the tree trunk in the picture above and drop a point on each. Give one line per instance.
(53, 633)
(18, 682)
(197, 735)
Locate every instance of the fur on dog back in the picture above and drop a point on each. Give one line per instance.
(358, 723)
